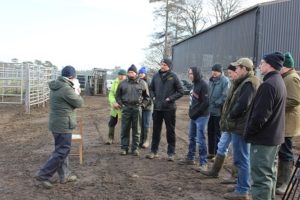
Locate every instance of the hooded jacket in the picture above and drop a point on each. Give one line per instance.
(199, 101)
(63, 102)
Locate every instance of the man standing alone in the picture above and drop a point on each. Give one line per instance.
(165, 89)
(265, 127)
(62, 121)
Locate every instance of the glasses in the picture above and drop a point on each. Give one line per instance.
(162, 63)
(262, 62)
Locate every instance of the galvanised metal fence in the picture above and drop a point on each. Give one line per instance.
(26, 84)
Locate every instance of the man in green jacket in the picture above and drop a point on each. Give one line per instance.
(62, 121)
(115, 108)
(292, 125)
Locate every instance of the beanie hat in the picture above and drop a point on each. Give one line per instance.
(245, 62)
(143, 70)
(217, 67)
(288, 60)
(68, 71)
(231, 67)
(132, 68)
(122, 72)
(168, 62)
(275, 59)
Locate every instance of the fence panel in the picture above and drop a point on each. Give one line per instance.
(25, 84)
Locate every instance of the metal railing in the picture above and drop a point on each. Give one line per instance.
(26, 84)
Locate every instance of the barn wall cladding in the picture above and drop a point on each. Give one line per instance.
(261, 29)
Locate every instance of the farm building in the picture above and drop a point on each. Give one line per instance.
(261, 29)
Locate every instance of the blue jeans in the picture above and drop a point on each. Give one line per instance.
(58, 161)
(146, 117)
(224, 144)
(241, 158)
(197, 135)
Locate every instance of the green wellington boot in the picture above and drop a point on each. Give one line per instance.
(111, 133)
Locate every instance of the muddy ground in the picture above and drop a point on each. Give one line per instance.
(25, 144)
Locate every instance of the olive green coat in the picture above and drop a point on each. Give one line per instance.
(63, 102)
(292, 109)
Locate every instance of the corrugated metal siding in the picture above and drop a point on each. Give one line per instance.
(221, 44)
(280, 29)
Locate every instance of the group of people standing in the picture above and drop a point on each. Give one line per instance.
(259, 118)
(138, 101)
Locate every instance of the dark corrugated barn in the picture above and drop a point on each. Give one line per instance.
(264, 28)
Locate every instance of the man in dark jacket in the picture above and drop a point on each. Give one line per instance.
(62, 120)
(265, 127)
(198, 113)
(131, 94)
(165, 89)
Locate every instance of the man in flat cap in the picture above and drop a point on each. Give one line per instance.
(265, 127)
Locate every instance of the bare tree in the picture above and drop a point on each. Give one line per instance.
(224, 9)
(190, 17)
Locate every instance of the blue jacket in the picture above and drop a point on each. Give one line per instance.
(218, 90)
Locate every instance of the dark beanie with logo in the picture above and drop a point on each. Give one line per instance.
(275, 59)
(132, 68)
(68, 71)
(168, 62)
(217, 68)
(288, 60)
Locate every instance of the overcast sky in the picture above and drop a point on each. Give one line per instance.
(82, 33)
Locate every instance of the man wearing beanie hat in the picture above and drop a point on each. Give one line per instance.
(62, 121)
(265, 127)
(68, 71)
(131, 95)
(275, 60)
(133, 69)
(292, 126)
(225, 138)
(115, 108)
(218, 89)
(166, 88)
(146, 113)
